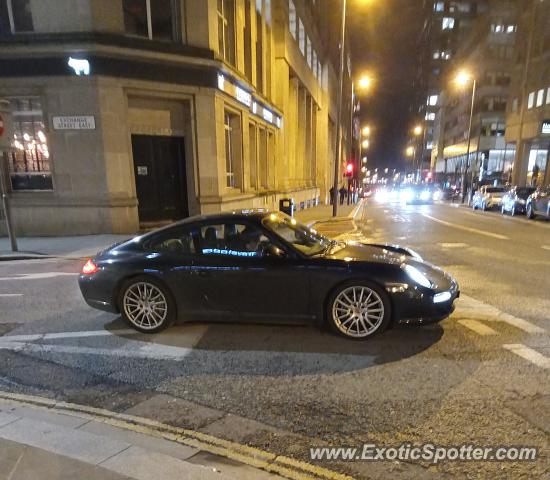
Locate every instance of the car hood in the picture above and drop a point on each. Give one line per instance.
(394, 255)
(365, 252)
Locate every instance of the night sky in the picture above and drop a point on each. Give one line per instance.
(384, 41)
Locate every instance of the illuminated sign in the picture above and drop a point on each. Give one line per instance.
(81, 66)
(243, 96)
(268, 116)
(221, 82)
(545, 129)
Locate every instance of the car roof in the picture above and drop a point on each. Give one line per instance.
(231, 215)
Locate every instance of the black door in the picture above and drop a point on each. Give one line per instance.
(159, 168)
(240, 281)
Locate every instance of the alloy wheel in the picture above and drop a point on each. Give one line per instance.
(145, 305)
(358, 311)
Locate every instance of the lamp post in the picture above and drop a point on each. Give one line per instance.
(417, 162)
(462, 79)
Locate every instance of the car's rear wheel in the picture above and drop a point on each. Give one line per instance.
(146, 304)
(358, 310)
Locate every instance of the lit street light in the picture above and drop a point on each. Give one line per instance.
(365, 144)
(363, 83)
(366, 131)
(462, 80)
(410, 151)
(418, 130)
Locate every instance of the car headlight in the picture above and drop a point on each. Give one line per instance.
(417, 276)
(407, 195)
(521, 201)
(425, 195)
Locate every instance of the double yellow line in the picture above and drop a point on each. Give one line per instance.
(254, 457)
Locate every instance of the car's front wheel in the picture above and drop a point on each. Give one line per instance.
(358, 310)
(146, 304)
(529, 212)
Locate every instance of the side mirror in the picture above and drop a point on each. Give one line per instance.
(271, 251)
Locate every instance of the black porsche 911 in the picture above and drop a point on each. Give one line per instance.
(264, 266)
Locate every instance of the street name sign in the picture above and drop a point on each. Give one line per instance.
(75, 122)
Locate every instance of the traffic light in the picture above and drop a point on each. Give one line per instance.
(349, 169)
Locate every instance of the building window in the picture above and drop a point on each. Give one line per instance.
(301, 37)
(531, 100)
(548, 96)
(152, 19)
(29, 162)
(432, 100)
(233, 144)
(515, 103)
(540, 97)
(20, 16)
(439, 6)
(226, 30)
(430, 116)
(292, 24)
(309, 52)
(448, 23)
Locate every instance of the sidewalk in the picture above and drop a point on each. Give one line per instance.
(88, 245)
(47, 444)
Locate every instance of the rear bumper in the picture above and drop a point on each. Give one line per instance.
(95, 294)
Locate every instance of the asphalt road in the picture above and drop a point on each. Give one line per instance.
(480, 377)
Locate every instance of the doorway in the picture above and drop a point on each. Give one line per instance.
(161, 184)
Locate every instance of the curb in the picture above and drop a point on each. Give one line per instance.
(253, 457)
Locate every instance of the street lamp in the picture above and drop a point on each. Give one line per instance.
(462, 79)
(418, 130)
(410, 151)
(366, 131)
(364, 82)
(365, 144)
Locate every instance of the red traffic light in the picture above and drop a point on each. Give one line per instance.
(349, 169)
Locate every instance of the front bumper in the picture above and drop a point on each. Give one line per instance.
(415, 305)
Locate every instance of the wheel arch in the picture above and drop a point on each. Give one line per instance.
(365, 279)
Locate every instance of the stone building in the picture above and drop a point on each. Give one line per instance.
(528, 114)
(487, 53)
(132, 113)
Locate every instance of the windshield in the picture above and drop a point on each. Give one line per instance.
(302, 238)
(496, 190)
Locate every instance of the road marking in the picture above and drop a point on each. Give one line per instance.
(39, 276)
(546, 247)
(529, 354)
(58, 335)
(477, 327)
(469, 308)
(251, 456)
(11, 294)
(453, 245)
(468, 229)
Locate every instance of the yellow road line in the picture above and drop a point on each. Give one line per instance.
(254, 457)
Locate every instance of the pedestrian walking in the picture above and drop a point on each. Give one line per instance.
(343, 193)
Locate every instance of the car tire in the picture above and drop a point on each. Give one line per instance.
(513, 211)
(483, 206)
(529, 212)
(358, 304)
(146, 304)
(503, 210)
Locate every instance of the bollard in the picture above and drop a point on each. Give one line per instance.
(9, 226)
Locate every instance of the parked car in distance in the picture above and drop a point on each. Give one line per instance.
(538, 204)
(488, 197)
(515, 200)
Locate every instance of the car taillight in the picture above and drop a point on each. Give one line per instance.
(89, 267)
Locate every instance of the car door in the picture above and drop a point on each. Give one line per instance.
(543, 200)
(174, 251)
(240, 277)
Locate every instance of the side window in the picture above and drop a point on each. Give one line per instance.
(174, 241)
(233, 239)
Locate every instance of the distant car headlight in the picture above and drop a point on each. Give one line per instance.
(417, 276)
(425, 195)
(381, 196)
(407, 195)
